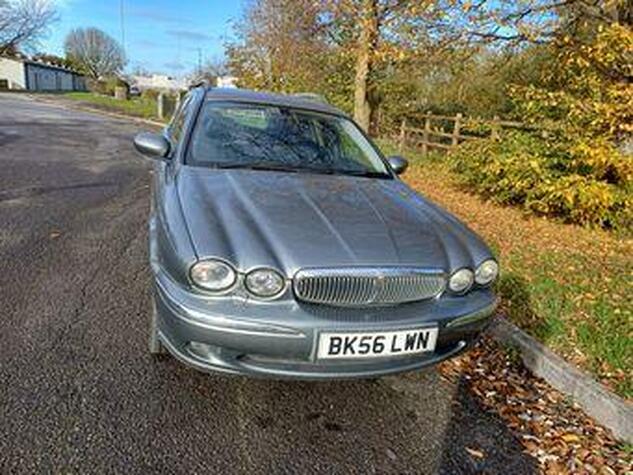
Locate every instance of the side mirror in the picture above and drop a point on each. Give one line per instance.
(151, 145)
(398, 164)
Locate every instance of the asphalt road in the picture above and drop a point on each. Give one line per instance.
(80, 393)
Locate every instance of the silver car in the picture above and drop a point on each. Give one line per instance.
(284, 245)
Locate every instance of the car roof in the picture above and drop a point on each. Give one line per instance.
(267, 98)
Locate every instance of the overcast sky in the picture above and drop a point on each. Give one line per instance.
(160, 36)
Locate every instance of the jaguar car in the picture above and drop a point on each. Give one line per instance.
(283, 244)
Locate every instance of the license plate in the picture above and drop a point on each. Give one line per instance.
(376, 344)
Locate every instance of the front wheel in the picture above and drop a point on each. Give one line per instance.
(155, 345)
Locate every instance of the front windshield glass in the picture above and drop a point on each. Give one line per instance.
(229, 135)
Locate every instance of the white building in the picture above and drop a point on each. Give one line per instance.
(159, 81)
(25, 74)
(226, 81)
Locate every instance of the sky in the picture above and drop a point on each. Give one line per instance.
(165, 36)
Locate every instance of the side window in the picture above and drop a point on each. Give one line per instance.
(178, 122)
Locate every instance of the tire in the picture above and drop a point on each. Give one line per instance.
(155, 345)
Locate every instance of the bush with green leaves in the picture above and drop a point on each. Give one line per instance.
(106, 85)
(573, 162)
(151, 94)
(551, 176)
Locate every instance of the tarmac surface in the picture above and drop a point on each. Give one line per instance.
(79, 391)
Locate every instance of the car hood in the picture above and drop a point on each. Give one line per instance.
(291, 221)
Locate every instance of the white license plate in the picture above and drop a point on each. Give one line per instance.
(376, 344)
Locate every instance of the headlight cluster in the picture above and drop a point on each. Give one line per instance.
(264, 282)
(213, 275)
(462, 280)
(218, 276)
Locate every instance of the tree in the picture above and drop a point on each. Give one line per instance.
(527, 21)
(384, 60)
(278, 45)
(211, 70)
(337, 48)
(367, 42)
(24, 22)
(95, 52)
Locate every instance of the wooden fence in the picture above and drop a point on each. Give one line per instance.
(431, 136)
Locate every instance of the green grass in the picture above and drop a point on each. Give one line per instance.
(135, 106)
(567, 286)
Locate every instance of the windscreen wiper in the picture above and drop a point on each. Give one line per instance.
(363, 173)
(281, 167)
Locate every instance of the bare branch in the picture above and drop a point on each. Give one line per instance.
(24, 22)
(95, 51)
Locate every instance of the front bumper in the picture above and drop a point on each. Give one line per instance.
(278, 339)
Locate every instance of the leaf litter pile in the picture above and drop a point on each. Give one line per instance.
(553, 430)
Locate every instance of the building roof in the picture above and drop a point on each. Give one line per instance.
(257, 97)
(41, 64)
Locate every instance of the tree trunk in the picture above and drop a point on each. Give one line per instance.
(364, 61)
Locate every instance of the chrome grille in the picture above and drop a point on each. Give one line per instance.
(367, 286)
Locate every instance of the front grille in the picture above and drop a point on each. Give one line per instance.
(367, 286)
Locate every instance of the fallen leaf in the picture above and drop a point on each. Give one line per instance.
(475, 453)
(570, 438)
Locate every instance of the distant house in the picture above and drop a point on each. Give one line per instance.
(158, 81)
(26, 74)
(226, 81)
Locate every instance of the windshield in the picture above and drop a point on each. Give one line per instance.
(229, 135)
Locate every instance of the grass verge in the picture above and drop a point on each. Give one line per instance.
(136, 106)
(566, 285)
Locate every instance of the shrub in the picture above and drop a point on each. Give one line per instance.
(95, 85)
(584, 185)
(111, 83)
(150, 94)
(575, 166)
(106, 86)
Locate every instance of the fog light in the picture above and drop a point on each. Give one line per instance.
(201, 350)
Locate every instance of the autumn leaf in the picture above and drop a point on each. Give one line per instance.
(570, 438)
(475, 453)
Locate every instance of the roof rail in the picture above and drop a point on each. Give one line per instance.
(310, 96)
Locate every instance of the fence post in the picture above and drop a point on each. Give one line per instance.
(120, 93)
(161, 105)
(456, 129)
(403, 136)
(494, 131)
(427, 134)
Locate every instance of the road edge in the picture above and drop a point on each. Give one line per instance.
(86, 108)
(595, 399)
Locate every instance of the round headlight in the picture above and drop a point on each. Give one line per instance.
(461, 281)
(213, 275)
(264, 282)
(486, 272)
